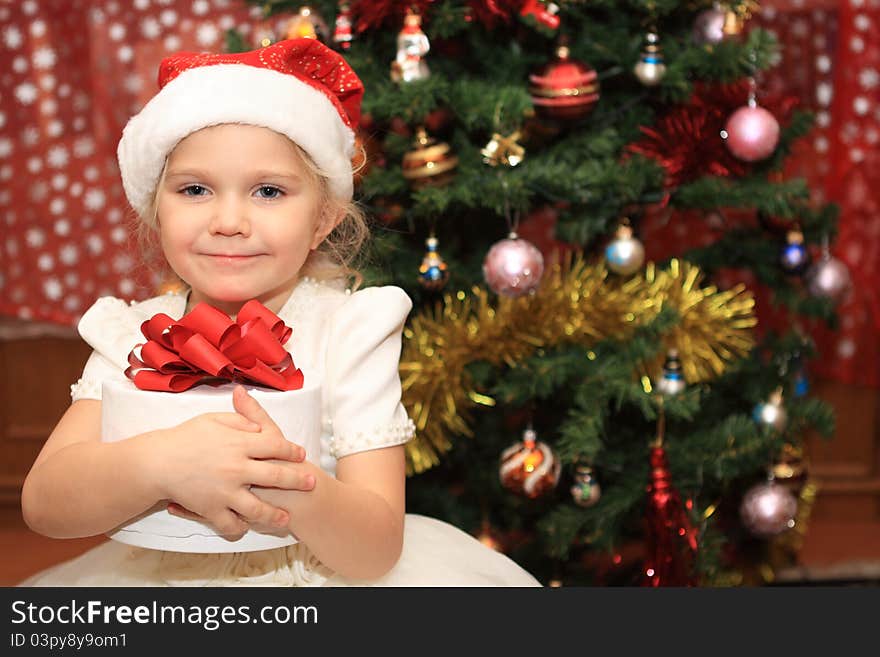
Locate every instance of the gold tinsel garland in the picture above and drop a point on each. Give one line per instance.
(577, 303)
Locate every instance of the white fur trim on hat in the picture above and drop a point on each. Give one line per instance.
(233, 93)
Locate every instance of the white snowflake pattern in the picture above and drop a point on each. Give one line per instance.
(12, 247)
(114, 215)
(71, 303)
(201, 7)
(76, 189)
(91, 172)
(71, 279)
(38, 28)
(126, 287)
(29, 7)
(226, 22)
(150, 28)
(122, 263)
(6, 147)
(97, 16)
(95, 244)
(45, 262)
(55, 128)
(172, 42)
(862, 22)
(62, 228)
(35, 164)
(26, 93)
(118, 234)
(84, 146)
(68, 254)
(133, 84)
(81, 101)
(30, 136)
(64, 90)
(117, 31)
(53, 289)
(44, 57)
(846, 348)
(57, 205)
(824, 93)
(20, 64)
(857, 44)
(823, 63)
(48, 107)
(79, 123)
(207, 34)
(869, 78)
(57, 157)
(141, 4)
(94, 199)
(12, 37)
(861, 105)
(35, 237)
(125, 54)
(47, 81)
(168, 17)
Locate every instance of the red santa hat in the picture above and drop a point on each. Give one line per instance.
(298, 87)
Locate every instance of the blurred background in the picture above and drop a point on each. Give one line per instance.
(73, 71)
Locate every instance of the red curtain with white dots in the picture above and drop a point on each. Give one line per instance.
(73, 71)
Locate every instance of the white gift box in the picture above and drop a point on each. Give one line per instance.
(127, 411)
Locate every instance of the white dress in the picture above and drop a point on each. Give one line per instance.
(353, 341)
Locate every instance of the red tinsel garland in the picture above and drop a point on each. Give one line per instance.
(371, 14)
(687, 142)
(671, 540)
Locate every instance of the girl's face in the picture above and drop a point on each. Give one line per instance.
(238, 214)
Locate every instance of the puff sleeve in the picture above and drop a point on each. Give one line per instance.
(112, 328)
(362, 383)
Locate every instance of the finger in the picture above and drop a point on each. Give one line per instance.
(251, 409)
(269, 447)
(255, 511)
(229, 524)
(176, 510)
(279, 474)
(235, 421)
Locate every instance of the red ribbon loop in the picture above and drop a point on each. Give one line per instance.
(206, 346)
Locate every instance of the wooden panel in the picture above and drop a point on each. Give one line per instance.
(35, 377)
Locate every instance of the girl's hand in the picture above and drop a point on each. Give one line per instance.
(266, 460)
(208, 463)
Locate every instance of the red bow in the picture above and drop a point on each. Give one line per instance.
(206, 346)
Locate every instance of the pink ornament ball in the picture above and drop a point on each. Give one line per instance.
(513, 267)
(752, 133)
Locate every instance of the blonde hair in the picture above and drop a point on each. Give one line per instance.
(336, 258)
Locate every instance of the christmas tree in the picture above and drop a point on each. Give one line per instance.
(571, 193)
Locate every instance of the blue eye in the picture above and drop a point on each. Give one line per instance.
(269, 192)
(193, 190)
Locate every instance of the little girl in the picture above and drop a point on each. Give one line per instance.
(240, 170)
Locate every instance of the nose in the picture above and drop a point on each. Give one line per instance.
(230, 218)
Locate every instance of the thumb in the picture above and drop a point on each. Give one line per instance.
(250, 408)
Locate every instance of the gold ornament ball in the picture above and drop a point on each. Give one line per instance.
(430, 163)
(529, 468)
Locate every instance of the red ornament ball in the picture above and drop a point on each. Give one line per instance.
(564, 89)
(529, 467)
(752, 133)
(513, 267)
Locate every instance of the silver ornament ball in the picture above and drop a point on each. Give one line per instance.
(771, 413)
(624, 254)
(709, 26)
(768, 509)
(830, 278)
